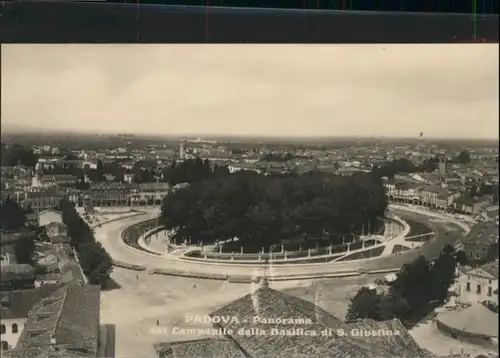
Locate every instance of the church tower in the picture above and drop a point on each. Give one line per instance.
(182, 150)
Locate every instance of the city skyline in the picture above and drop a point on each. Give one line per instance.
(444, 91)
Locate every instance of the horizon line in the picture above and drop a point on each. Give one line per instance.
(33, 130)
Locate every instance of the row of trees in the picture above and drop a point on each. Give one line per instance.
(419, 284)
(192, 170)
(261, 211)
(406, 166)
(94, 259)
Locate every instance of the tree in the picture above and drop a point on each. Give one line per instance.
(96, 263)
(100, 171)
(94, 260)
(365, 304)
(24, 249)
(394, 305)
(464, 157)
(17, 154)
(11, 215)
(415, 283)
(263, 210)
(443, 273)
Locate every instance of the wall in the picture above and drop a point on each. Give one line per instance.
(9, 337)
(465, 336)
(471, 297)
(50, 217)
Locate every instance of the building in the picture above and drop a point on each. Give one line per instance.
(51, 180)
(56, 229)
(304, 318)
(443, 167)
(481, 243)
(64, 323)
(128, 177)
(236, 167)
(109, 194)
(42, 199)
(7, 255)
(31, 220)
(150, 193)
(17, 276)
(15, 306)
(432, 196)
(478, 285)
(182, 150)
(49, 216)
(8, 243)
(180, 186)
(12, 236)
(471, 206)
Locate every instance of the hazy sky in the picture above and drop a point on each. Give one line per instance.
(291, 90)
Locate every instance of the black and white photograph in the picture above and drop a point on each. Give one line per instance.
(196, 200)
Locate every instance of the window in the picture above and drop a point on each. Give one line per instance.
(489, 291)
(2, 329)
(5, 345)
(467, 288)
(15, 328)
(478, 290)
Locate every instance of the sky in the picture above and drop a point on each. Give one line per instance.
(443, 90)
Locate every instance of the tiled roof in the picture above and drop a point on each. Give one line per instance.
(60, 239)
(483, 232)
(17, 272)
(402, 345)
(59, 177)
(491, 268)
(71, 272)
(60, 226)
(53, 276)
(10, 236)
(48, 352)
(17, 304)
(209, 347)
(70, 315)
(154, 186)
(268, 303)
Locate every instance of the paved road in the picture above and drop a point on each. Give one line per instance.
(110, 236)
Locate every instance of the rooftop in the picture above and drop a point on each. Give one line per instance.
(209, 347)
(17, 272)
(70, 315)
(491, 268)
(268, 303)
(483, 232)
(17, 304)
